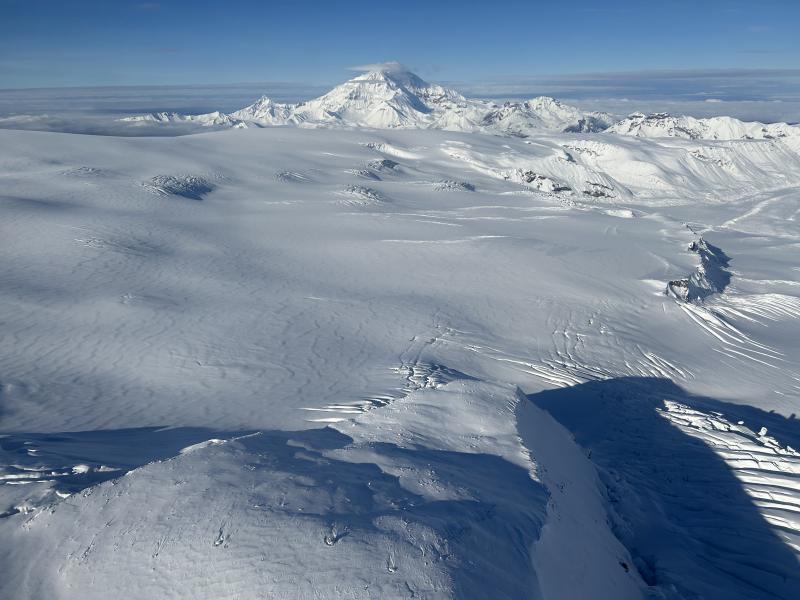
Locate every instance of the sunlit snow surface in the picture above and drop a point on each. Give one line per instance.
(300, 363)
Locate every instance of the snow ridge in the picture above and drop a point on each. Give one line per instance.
(714, 128)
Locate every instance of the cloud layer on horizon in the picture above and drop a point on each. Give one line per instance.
(685, 84)
(749, 94)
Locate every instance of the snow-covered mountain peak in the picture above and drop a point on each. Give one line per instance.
(547, 102)
(390, 96)
(265, 111)
(393, 74)
(544, 112)
(398, 76)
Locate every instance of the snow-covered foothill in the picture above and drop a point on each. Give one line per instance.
(710, 128)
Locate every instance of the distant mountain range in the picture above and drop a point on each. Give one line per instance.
(392, 97)
(714, 128)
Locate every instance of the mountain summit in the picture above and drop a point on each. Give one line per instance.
(383, 98)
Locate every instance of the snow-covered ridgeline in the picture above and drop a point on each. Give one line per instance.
(392, 97)
(712, 128)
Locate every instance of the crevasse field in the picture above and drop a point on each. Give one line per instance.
(392, 349)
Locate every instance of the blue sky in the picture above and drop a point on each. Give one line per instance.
(44, 43)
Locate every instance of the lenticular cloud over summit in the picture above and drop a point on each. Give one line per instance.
(391, 66)
(395, 342)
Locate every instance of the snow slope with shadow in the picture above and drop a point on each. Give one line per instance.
(366, 363)
(706, 506)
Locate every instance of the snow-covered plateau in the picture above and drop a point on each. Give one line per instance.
(395, 343)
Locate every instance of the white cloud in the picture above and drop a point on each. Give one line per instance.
(389, 66)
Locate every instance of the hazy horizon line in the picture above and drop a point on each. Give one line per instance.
(515, 83)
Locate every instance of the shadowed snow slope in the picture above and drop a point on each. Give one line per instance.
(688, 486)
(393, 363)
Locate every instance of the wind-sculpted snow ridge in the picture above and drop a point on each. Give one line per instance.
(713, 128)
(38, 470)
(391, 97)
(361, 515)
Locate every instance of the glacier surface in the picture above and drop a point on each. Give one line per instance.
(392, 343)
